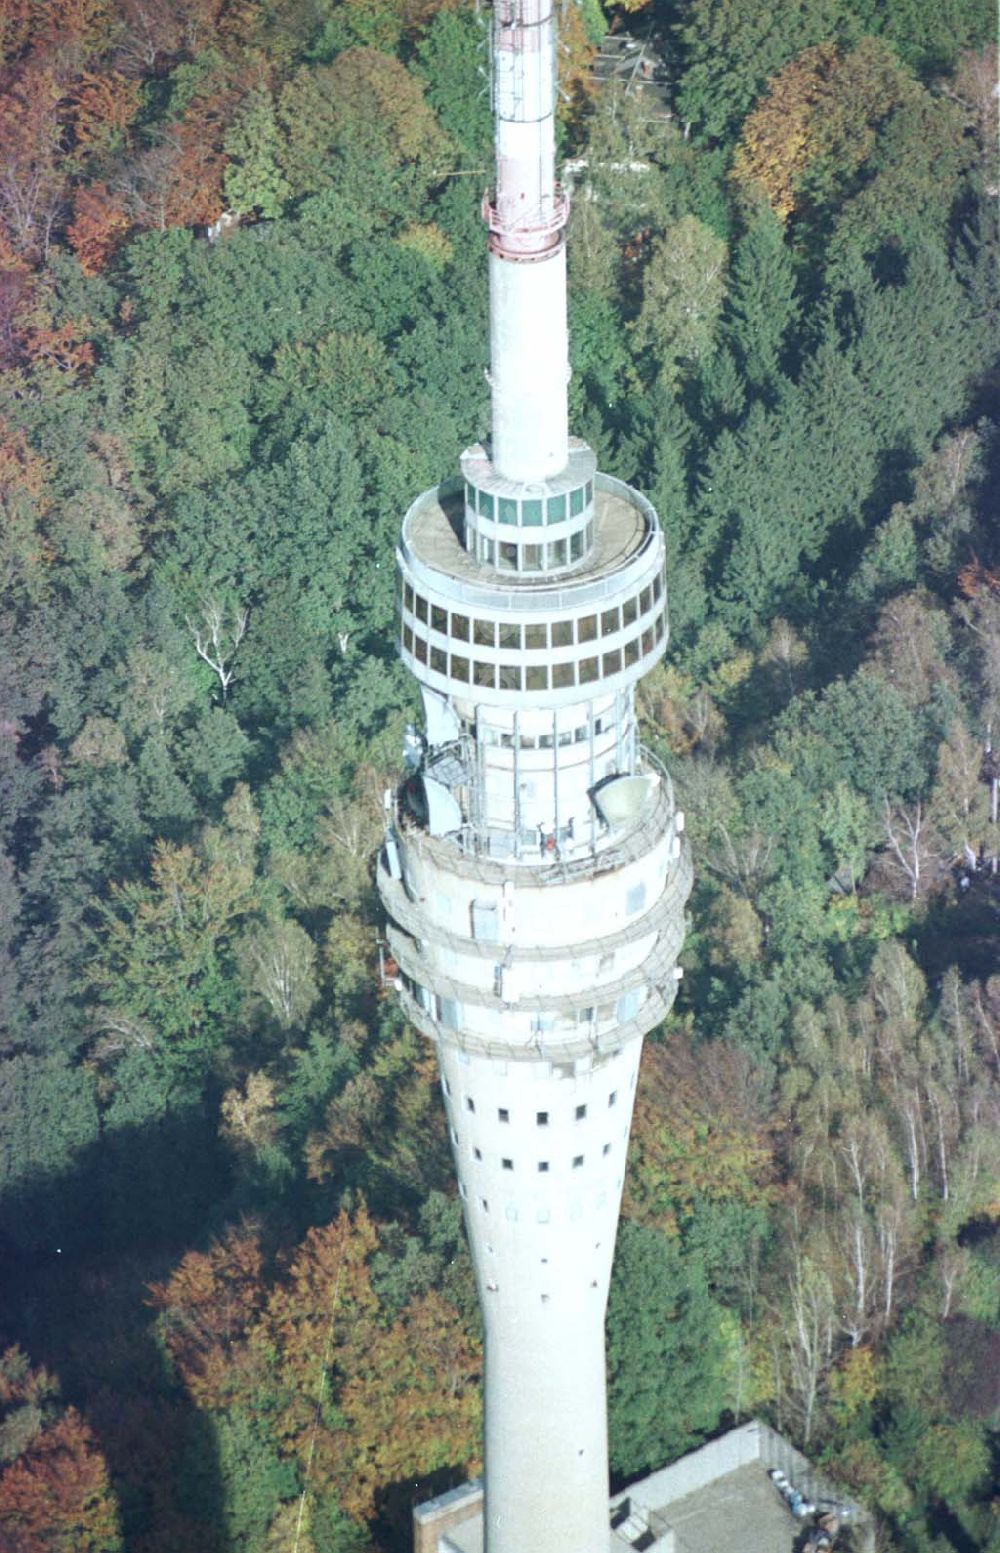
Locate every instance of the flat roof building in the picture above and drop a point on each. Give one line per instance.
(734, 1495)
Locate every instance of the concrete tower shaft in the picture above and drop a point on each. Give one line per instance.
(535, 869)
(526, 216)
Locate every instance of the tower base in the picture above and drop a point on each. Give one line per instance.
(720, 1498)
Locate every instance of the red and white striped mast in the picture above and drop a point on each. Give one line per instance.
(526, 216)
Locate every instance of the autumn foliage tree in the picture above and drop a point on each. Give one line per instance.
(698, 1132)
(55, 1495)
(818, 121)
(356, 1398)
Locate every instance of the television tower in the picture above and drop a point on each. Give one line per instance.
(534, 872)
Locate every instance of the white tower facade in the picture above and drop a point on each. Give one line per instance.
(535, 874)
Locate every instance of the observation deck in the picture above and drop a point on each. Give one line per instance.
(483, 625)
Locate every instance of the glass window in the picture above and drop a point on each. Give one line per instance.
(659, 628)
(531, 558)
(646, 600)
(486, 551)
(460, 669)
(408, 638)
(484, 633)
(510, 676)
(542, 1118)
(439, 618)
(562, 633)
(486, 504)
(657, 587)
(460, 627)
(629, 612)
(420, 609)
(508, 510)
(586, 628)
(439, 660)
(611, 663)
(588, 535)
(510, 636)
(577, 1161)
(632, 652)
(536, 637)
(507, 557)
(420, 649)
(576, 545)
(581, 1112)
(543, 1166)
(531, 513)
(484, 674)
(470, 495)
(555, 555)
(588, 670)
(610, 622)
(408, 596)
(647, 642)
(546, 742)
(507, 1164)
(503, 1115)
(536, 677)
(562, 677)
(556, 509)
(589, 490)
(576, 501)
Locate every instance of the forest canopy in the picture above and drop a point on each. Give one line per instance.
(242, 324)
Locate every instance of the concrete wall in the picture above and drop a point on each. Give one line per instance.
(433, 1520)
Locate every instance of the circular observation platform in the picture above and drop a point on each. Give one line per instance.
(474, 632)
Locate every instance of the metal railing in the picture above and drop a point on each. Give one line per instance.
(464, 851)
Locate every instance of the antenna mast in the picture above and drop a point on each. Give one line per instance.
(526, 216)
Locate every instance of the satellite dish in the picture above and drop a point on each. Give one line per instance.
(443, 811)
(440, 720)
(621, 799)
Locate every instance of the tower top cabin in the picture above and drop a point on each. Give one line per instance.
(532, 588)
